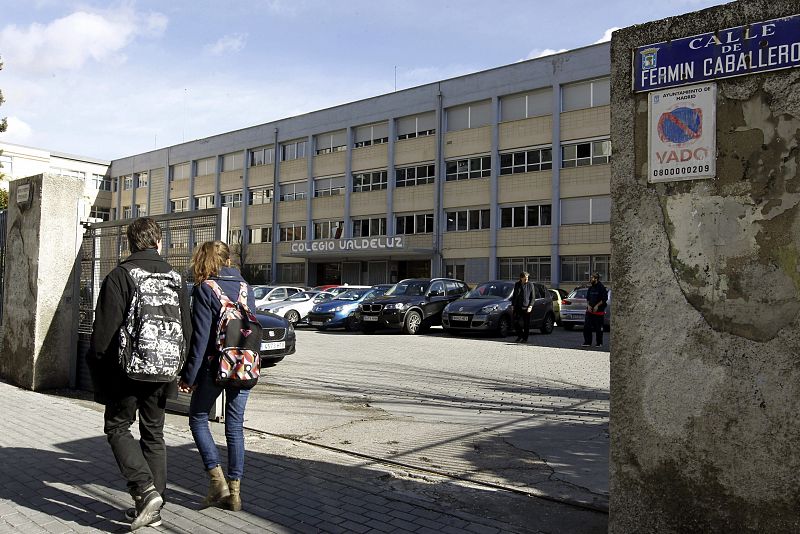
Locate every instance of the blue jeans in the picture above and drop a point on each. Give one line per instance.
(235, 401)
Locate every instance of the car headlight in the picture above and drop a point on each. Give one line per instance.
(490, 308)
(398, 306)
(291, 327)
(338, 308)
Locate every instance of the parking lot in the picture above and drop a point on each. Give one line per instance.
(530, 417)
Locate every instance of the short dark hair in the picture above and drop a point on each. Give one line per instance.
(143, 233)
(524, 274)
(595, 275)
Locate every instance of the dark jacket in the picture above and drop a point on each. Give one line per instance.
(109, 316)
(522, 297)
(205, 318)
(597, 293)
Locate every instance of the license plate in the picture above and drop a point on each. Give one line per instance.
(573, 316)
(459, 318)
(369, 318)
(316, 323)
(274, 345)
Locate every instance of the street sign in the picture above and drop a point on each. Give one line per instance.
(757, 47)
(682, 133)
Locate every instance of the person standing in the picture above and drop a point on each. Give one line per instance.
(212, 263)
(141, 329)
(596, 299)
(522, 304)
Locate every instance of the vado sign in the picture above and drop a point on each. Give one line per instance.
(682, 133)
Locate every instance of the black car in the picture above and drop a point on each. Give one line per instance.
(278, 338)
(413, 305)
(488, 308)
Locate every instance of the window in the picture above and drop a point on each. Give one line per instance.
(326, 187)
(293, 232)
(204, 202)
(141, 179)
(464, 169)
(293, 150)
(576, 268)
(526, 105)
(537, 266)
(418, 223)
(235, 236)
(100, 213)
(259, 195)
(421, 174)
(260, 234)
(180, 171)
(231, 199)
(525, 216)
(328, 229)
(463, 220)
(178, 205)
(586, 94)
(472, 115)
(257, 273)
(331, 142)
(455, 269)
(206, 166)
(586, 153)
(127, 182)
(127, 212)
(101, 183)
(369, 181)
(530, 160)
(262, 156)
(232, 162)
(69, 173)
(586, 210)
(373, 134)
(416, 126)
(293, 191)
(291, 273)
(369, 227)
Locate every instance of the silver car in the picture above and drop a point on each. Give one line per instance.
(573, 309)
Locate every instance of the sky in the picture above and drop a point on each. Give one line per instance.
(117, 78)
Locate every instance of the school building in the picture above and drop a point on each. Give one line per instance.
(476, 177)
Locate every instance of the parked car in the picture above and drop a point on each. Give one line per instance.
(338, 290)
(266, 294)
(573, 309)
(413, 305)
(324, 287)
(488, 308)
(557, 294)
(296, 307)
(342, 311)
(278, 339)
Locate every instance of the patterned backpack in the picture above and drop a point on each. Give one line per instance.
(238, 341)
(152, 347)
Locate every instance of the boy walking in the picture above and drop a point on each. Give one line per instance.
(141, 329)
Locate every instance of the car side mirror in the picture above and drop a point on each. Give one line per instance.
(436, 294)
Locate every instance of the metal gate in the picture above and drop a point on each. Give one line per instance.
(105, 245)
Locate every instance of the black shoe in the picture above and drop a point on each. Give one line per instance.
(148, 508)
(524, 340)
(586, 345)
(599, 345)
(130, 515)
(518, 340)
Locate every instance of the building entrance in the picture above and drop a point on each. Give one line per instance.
(413, 269)
(327, 273)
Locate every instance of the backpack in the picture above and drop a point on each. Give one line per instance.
(238, 341)
(152, 347)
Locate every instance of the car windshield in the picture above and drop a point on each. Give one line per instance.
(579, 293)
(411, 288)
(492, 290)
(353, 294)
(261, 292)
(303, 295)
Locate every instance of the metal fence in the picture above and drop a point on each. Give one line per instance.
(3, 229)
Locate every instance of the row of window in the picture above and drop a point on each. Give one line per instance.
(573, 268)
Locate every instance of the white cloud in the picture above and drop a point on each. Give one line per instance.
(69, 42)
(607, 35)
(539, 52)
(18, 131)
(228, 44)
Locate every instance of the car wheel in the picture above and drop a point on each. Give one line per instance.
(351, 324)
(569, 326)
(547, 324)
(504, 327)
(293, 317)
(413, 322)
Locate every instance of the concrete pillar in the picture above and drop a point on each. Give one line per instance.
(705, 379)
(40, 297)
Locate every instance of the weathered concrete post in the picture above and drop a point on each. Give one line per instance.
(39, 306)
(705, 362)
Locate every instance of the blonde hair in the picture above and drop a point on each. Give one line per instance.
(208, 259)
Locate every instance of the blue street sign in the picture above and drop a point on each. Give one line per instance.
(758, 47)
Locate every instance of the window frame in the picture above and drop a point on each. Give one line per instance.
(463, 219)
(464, 168)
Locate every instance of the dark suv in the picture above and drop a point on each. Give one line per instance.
(414, 305)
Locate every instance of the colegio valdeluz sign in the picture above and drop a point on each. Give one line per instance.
(758, 47)
(354, 244)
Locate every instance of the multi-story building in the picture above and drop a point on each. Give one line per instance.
(477, 177)
(19, 161)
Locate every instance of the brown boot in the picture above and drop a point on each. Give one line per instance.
(217, 490)
(234, 501)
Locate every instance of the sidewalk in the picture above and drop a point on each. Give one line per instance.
(58, 475)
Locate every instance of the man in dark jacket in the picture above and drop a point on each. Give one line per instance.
(522, 303)
(142, 463)
(596, 298)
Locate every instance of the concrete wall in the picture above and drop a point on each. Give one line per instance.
(39, 296)
(705, 372)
